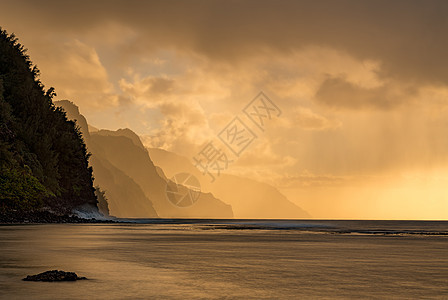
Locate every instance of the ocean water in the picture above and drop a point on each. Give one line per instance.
(228, 259)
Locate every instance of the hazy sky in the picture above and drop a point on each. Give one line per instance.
(363, 87)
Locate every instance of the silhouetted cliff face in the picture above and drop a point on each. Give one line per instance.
(135, 162)
(126, 157)
(124, 196)
(126, 132)
(248, 198)
(133, 185)
(43, 158)
(72, 112)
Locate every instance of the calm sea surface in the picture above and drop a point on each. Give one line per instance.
(228, 259)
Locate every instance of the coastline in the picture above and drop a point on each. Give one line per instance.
(43, 217)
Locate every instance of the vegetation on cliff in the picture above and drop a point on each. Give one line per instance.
(43, 158)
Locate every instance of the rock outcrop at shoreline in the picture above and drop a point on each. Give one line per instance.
(21, 217)
(54, 275)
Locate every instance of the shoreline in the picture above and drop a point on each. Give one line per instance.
(44, 217)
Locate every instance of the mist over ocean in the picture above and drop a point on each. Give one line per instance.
(216, 259)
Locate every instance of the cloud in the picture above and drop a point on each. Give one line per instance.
(181, 129)
(407, 36)
(339, 93)
(308, 179)
(262, 155)
(308, 120)
(151, 88)
(76, 72)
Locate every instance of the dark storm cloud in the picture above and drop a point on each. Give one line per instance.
(408, 37)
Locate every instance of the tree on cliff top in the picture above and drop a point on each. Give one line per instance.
(43, 158)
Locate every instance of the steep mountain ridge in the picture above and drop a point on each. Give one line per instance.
(137, 164)
(132, 184)
(124, 196)
(248, 198)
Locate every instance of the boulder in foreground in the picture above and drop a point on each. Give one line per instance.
(54, 275)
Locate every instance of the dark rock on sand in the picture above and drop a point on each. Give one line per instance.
(54, 275)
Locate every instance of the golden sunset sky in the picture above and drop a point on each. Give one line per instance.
(362, 85)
